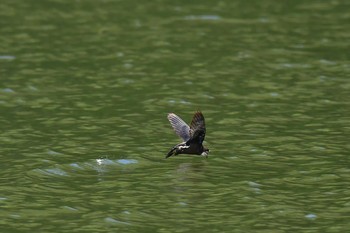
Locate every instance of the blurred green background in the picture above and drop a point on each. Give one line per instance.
(85, 87)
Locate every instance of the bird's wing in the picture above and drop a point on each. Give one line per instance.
(180, 127)
(197, 129)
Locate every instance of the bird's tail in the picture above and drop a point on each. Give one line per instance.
(171, 152)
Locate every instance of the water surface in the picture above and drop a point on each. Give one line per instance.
(84, 92)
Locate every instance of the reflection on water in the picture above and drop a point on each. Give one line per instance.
(84, 94)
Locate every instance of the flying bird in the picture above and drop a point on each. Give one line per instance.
(192, 136)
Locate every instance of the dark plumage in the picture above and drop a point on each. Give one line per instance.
(192, 136)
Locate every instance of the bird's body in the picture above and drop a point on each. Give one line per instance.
(193, 136)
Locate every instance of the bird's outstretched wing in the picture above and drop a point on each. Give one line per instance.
(197, 128)
(180, 127)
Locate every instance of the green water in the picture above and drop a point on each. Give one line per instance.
(85, 87)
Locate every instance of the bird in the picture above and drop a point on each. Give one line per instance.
(192, 136)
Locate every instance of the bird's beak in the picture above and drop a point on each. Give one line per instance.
(205, 153)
